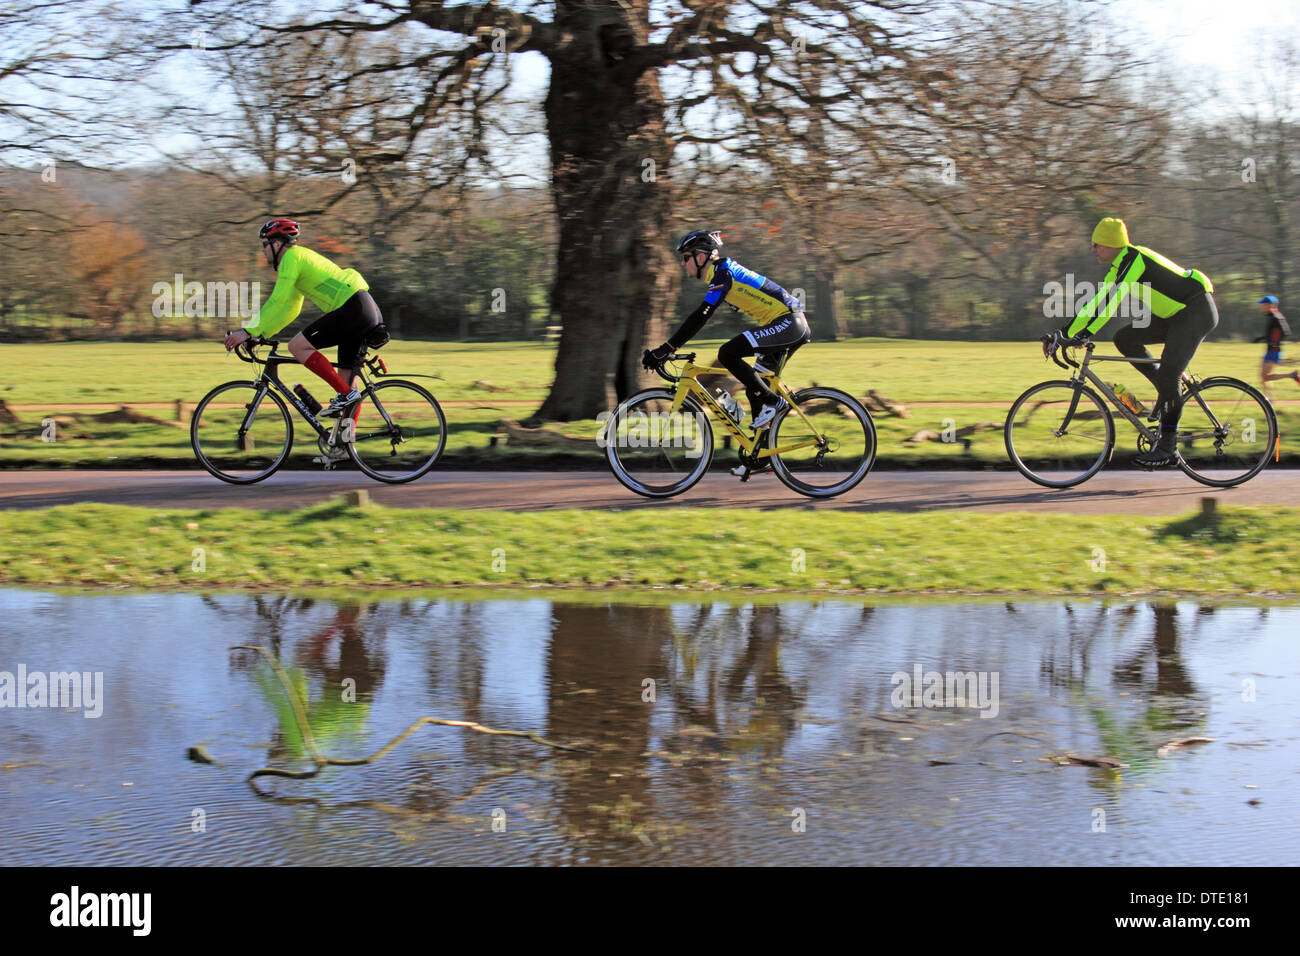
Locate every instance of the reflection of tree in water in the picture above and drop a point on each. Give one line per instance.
(598, 658)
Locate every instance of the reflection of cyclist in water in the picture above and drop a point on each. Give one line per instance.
(759, 705)
(338, 715)
(1171, 701)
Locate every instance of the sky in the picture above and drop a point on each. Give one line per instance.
(1215, 40)
(1209, 43)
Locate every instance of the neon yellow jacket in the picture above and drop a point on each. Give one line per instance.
(1145, 273)
(308, 274)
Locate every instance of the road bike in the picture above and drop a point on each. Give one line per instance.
(1061, 433)
(660, 442)
(242, 431)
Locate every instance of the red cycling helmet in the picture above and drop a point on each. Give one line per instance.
(285, 229)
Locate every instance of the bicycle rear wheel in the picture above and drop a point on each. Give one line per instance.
(1047, 451)
(399, 432)
(655, 451)
(825, 443)
(245, 443)
(1227, 432)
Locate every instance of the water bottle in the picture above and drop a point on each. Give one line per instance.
(1128, 398)
(729, 405)
(306, 398)
(736, 411)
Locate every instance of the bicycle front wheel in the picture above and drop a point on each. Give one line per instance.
(398, 433)
(655, 451)
(1051, 452)
(823, 444)
(241, 432)
(1227, 432)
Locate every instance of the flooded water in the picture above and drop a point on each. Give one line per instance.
(806, 732)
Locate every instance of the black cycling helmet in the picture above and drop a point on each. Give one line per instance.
(701, 240)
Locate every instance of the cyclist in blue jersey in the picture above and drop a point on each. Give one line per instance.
(782, 326)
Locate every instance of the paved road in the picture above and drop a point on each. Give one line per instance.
(1115, 492)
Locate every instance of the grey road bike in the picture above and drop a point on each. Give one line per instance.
(1061, 433)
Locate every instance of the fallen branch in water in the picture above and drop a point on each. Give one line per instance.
(321, 761)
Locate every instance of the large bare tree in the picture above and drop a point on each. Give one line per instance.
(634, 92)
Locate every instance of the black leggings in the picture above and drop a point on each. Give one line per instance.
(773, 344)
(1182, 334)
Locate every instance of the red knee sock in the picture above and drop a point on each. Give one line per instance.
(319, 364)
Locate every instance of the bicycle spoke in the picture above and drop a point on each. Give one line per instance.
(1048, 451)
(655, 451)
(398, 433)
(239, 436)
(1227, 432)
(825, 444)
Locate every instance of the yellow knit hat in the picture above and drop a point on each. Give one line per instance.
(1111, 232)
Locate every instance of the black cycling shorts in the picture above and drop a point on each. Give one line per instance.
(778, 339)
(348, 327)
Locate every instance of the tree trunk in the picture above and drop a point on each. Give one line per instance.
(615, 278)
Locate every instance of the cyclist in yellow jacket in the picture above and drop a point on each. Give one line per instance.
(1179, 311)
(352, 320)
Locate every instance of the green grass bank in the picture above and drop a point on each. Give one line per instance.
(1236, 553)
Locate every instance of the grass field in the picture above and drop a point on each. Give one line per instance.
(1236, 553)
(514, 377)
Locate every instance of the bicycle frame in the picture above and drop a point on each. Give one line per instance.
(687, 384)
(270, 376)
(1085, 373)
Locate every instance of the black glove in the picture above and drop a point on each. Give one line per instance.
(652, 359)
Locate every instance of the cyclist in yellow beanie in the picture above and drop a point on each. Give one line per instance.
(1176, 308)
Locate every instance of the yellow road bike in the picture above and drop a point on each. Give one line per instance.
(660, 441)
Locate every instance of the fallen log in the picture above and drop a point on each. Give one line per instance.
(876, 402)
(127, 415)
(961, 435)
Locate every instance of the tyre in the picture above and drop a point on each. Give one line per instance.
(655, 451)
(398, 434)
(1227, 432)
(825, 443)
(1045, 452)
(245, 443)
